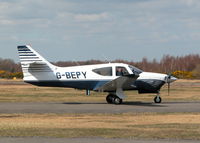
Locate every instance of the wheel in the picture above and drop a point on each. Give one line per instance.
(109, 98)
(117, 100)
(157, 99)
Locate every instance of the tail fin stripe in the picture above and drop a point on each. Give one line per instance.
(28, 55)
(31, 60)
(40, 65)
(40, 71)
(33, 63)
(36, 68)
(22, 47)
(25, 52)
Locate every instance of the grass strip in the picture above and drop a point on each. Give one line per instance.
(149, 125)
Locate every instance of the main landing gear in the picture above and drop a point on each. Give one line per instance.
(113, 99)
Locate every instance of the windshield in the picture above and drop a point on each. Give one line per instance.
(135, 70)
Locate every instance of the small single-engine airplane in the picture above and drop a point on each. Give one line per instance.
(113, 78)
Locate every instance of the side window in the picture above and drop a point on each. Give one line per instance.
(107, 71)
(120, 71)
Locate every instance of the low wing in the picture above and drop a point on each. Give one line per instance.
(122, 82)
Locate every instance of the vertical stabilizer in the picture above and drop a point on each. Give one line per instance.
(34, 66)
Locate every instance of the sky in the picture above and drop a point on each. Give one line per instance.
(73, 30)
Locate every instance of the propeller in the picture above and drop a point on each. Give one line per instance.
(168, 83)
(168, 88)
(169, 79)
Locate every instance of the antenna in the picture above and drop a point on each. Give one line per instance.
(105, 59)
(76, 62)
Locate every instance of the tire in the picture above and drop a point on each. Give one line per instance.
(157, 99)
(109, 98)
(117, 100)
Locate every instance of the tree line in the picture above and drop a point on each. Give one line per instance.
(187, 66)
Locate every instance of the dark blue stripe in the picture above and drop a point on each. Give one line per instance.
(36, 67)
(31, 60)
(24, 50)
(28, 55)
(20, 47)
(78, 84)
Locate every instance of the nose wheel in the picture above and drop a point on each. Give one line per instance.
(157, 99)
(113, 99)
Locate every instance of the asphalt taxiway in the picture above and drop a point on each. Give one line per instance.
(77, 107)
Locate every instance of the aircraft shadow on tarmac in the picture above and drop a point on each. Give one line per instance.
(135, 103)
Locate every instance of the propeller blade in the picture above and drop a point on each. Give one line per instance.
(168, 83)
(170, 78)
(168, 88)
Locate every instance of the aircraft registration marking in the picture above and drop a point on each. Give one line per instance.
(71, 75)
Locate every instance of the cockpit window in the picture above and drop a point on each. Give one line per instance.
(107, 71)
(135, 70)
(120, 71)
